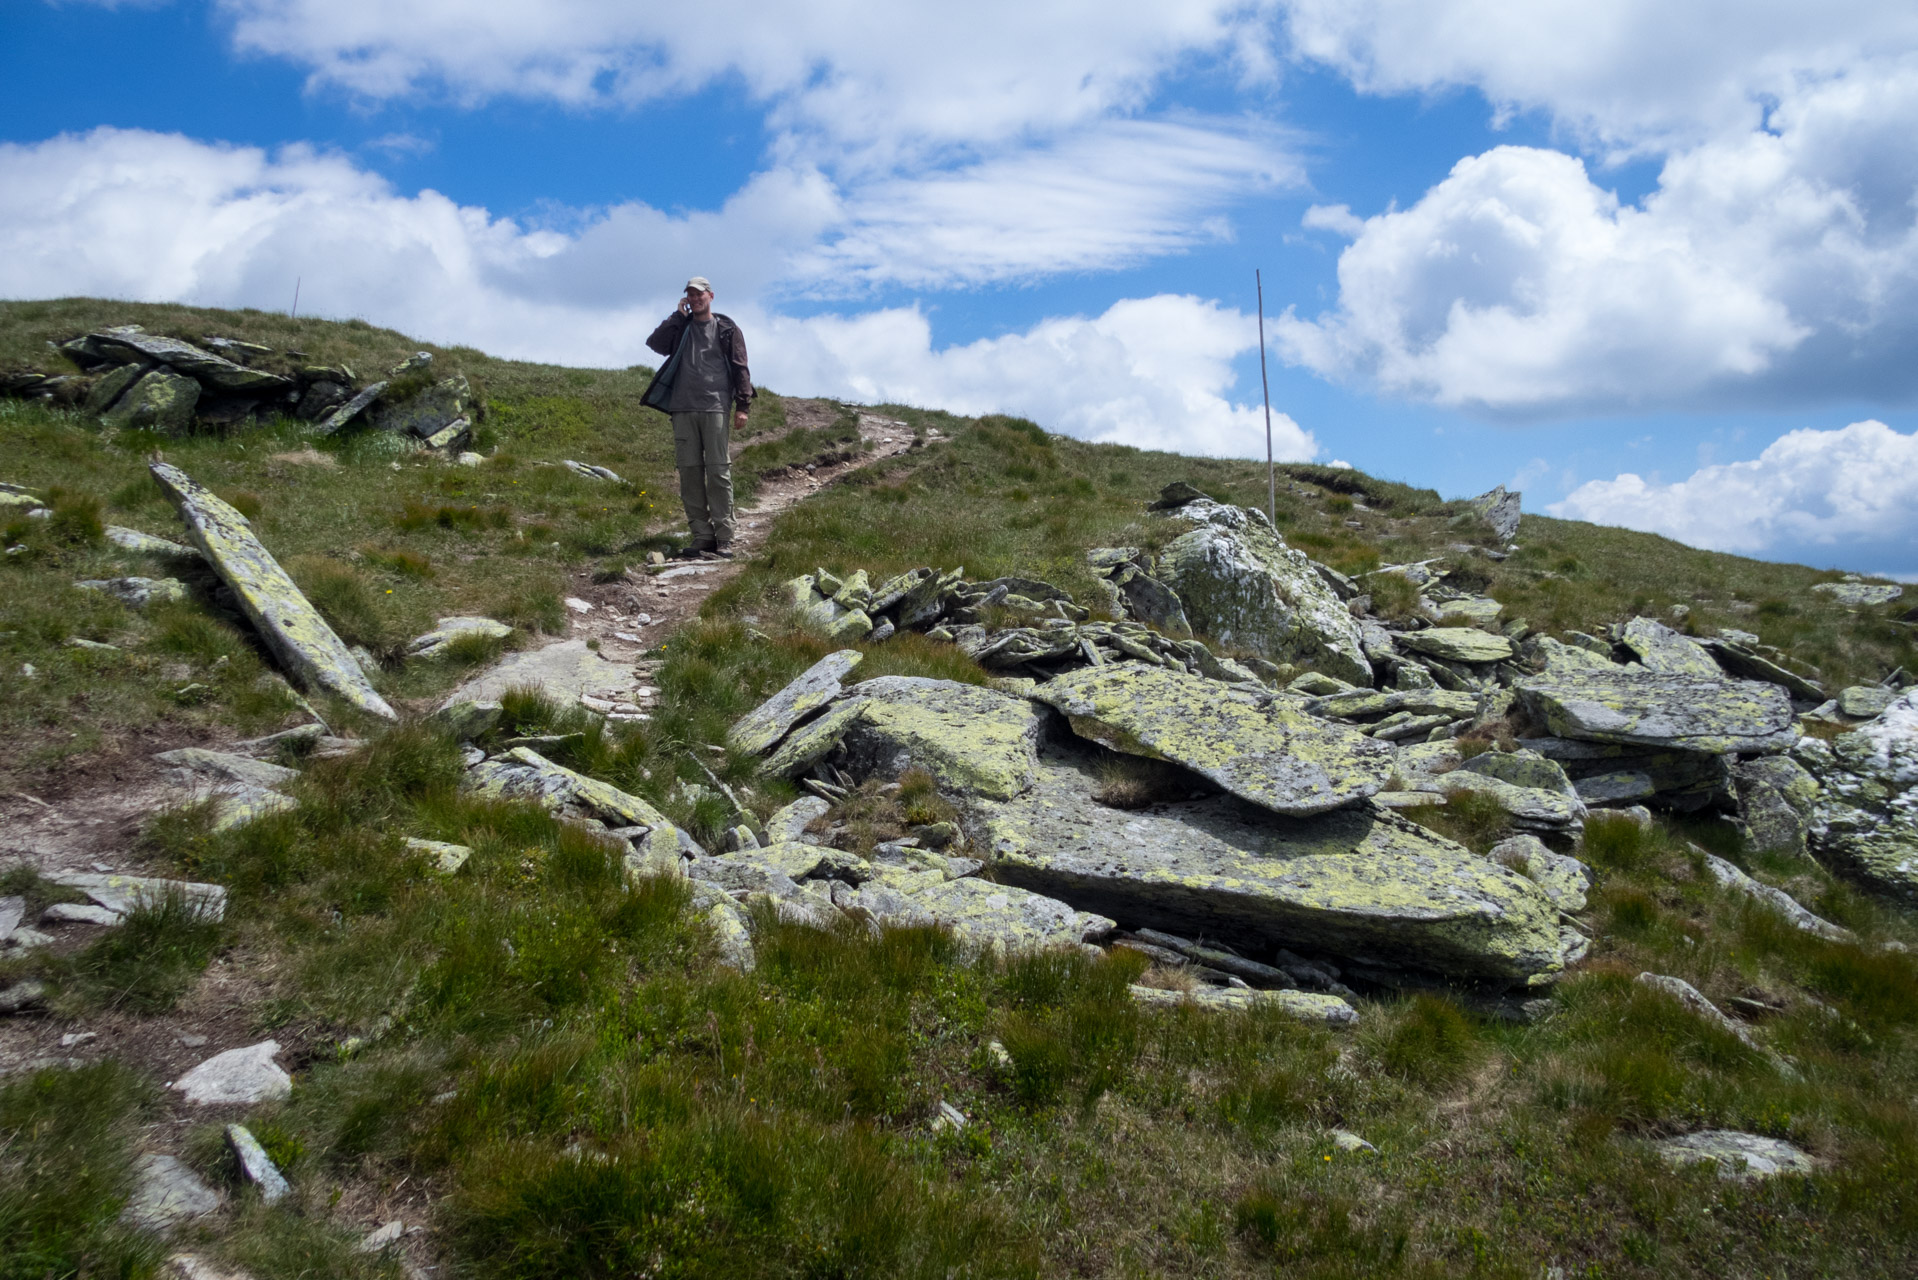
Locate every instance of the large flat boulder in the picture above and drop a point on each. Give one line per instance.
(1257, 747)
(305, 646)
(1355, 882)
(1651, 709)
(1242, 585)
(561, 671)
(525, 773)
(819, 684)
(972, 740)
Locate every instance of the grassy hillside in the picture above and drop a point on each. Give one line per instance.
(551, 1072)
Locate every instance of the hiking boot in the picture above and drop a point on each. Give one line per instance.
(717, 553)
(695, 551)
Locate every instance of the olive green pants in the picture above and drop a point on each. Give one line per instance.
(701, 444)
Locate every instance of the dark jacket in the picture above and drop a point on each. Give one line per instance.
(667, 340)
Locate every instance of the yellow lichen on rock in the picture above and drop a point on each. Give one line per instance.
(972, 740)
(298, 636)
(1255, 746)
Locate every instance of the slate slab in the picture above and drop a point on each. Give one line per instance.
(302, 641)
(1259, 748)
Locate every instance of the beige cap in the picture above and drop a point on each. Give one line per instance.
(700, 283)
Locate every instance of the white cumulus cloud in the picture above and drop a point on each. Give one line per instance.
(1776, 258)
(1782, 261)
(1153, 372)
(134, 214)
(1809, 489)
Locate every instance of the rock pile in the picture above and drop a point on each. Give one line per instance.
(135, 379)
(1255, 829)
(1642, 715)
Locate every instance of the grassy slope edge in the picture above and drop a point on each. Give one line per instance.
(549, 1068)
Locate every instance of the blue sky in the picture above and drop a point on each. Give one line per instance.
(1654, 263)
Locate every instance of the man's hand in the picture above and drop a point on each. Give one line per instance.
(739, 420)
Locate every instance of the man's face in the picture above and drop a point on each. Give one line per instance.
(699, 301)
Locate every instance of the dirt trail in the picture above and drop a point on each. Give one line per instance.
(666, 598)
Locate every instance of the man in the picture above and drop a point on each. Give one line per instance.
(704, 377)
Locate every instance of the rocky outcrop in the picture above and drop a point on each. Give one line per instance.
(1354, 882)
(1336, 877)
(1498, 509)
(154, 382)
(1243, 586)
(1864, 823)
(307, 649)
(1856, 593)
(1256, 746)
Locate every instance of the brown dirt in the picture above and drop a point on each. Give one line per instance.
(674, 594)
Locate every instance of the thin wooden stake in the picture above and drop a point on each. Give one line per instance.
(294, 314)
(1271, 472)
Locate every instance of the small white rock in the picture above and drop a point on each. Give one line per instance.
(256, 1164)
(578, 605)
(247, 1074)
(380, 1237)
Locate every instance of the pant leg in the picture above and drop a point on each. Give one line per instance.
(716, 438)
(689, 458)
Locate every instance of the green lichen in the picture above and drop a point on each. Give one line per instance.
(972, 740)
(1261, 750)
(308, 649)
(1352, 882)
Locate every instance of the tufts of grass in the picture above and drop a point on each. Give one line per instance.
(1394, 597)
(1325, 1234)
(1134, 782)
(145, 964)
(66, 1168)
(533, 606)
(470, 518)
(348, 601)
(76, 518)
(1428, 1041)
(1472, 818)
(408, 564)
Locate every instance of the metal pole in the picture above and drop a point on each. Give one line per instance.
(295, 312)
(1271, 472)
